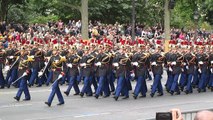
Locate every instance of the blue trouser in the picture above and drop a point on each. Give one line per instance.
(79, 77)
(50, 77)
(12, 75)
(103, 86)
(189, 83)
(121, 87)
(183, 79)
(148, 75)
(2, 81)
(196, 77)
(23, 88)
(211, 79)
(111, 80)
(55, 90)
(33, 76)
(169, 81)
(175, 87)
(202, 81)
(157, 84)
(87, 85)
(73, 83)
(140, 86)
(93, 81)
(41, 79)
(65, 78)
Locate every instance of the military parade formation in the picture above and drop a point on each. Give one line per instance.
(100, 65)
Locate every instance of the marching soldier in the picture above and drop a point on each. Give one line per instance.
(24, 72)
(72, 63)
(189, 59)
(211, 68)
(121, 62)
(58, 72)
(175, 71)
(202, 59)
(102, 62)
(140, 61)
(2, 61)
(86, 66)
(157, 59)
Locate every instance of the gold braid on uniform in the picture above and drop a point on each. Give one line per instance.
(106, 59)
(90, 60)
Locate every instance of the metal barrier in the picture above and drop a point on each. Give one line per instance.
(188, 115)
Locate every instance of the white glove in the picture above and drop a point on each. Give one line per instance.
(154, 63)
(45, 63)
(115, 64)
(200, 62)
(211, 62)
(170, 69)
(126, 55)
(11, 57)
(132, 75)
(135, 63)
(199, 70)
(7, 68)
(182, 70)
(187, 67)
(211, 70)
(24, 74)
(98, 64)
(69, 65)
(39, 74)
(83, 64)
(60, 76)
(184, 63)
(174, 63)
(56, 61)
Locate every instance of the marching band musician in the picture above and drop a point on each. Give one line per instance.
(121, 62)
(140, 61)
(157, 59)
(2, 62)
(87, 69)
(102, 62)
(57, 66)
(175, 71)
(72, 63)
(12, 62)
(211, 68)
(202, 63)
(24, 73)
(189, 59)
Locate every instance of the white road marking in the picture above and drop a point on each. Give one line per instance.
(75, 116)
(14, 105)
(89, 115)
(31, 91)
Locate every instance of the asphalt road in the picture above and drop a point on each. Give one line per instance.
(89, 108)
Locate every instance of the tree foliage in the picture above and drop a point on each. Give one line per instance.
(148, 12)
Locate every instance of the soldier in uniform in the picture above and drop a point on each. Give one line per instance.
(121, 62)
(12, 73)
(102, 62)
(86, 66)
(176, 70)
(211, 67)
(2, 61)
(24, 72)
(157, 59)
(189, 59)
(58, 72)
(202, 59)
(140, 61)
(72, 63)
